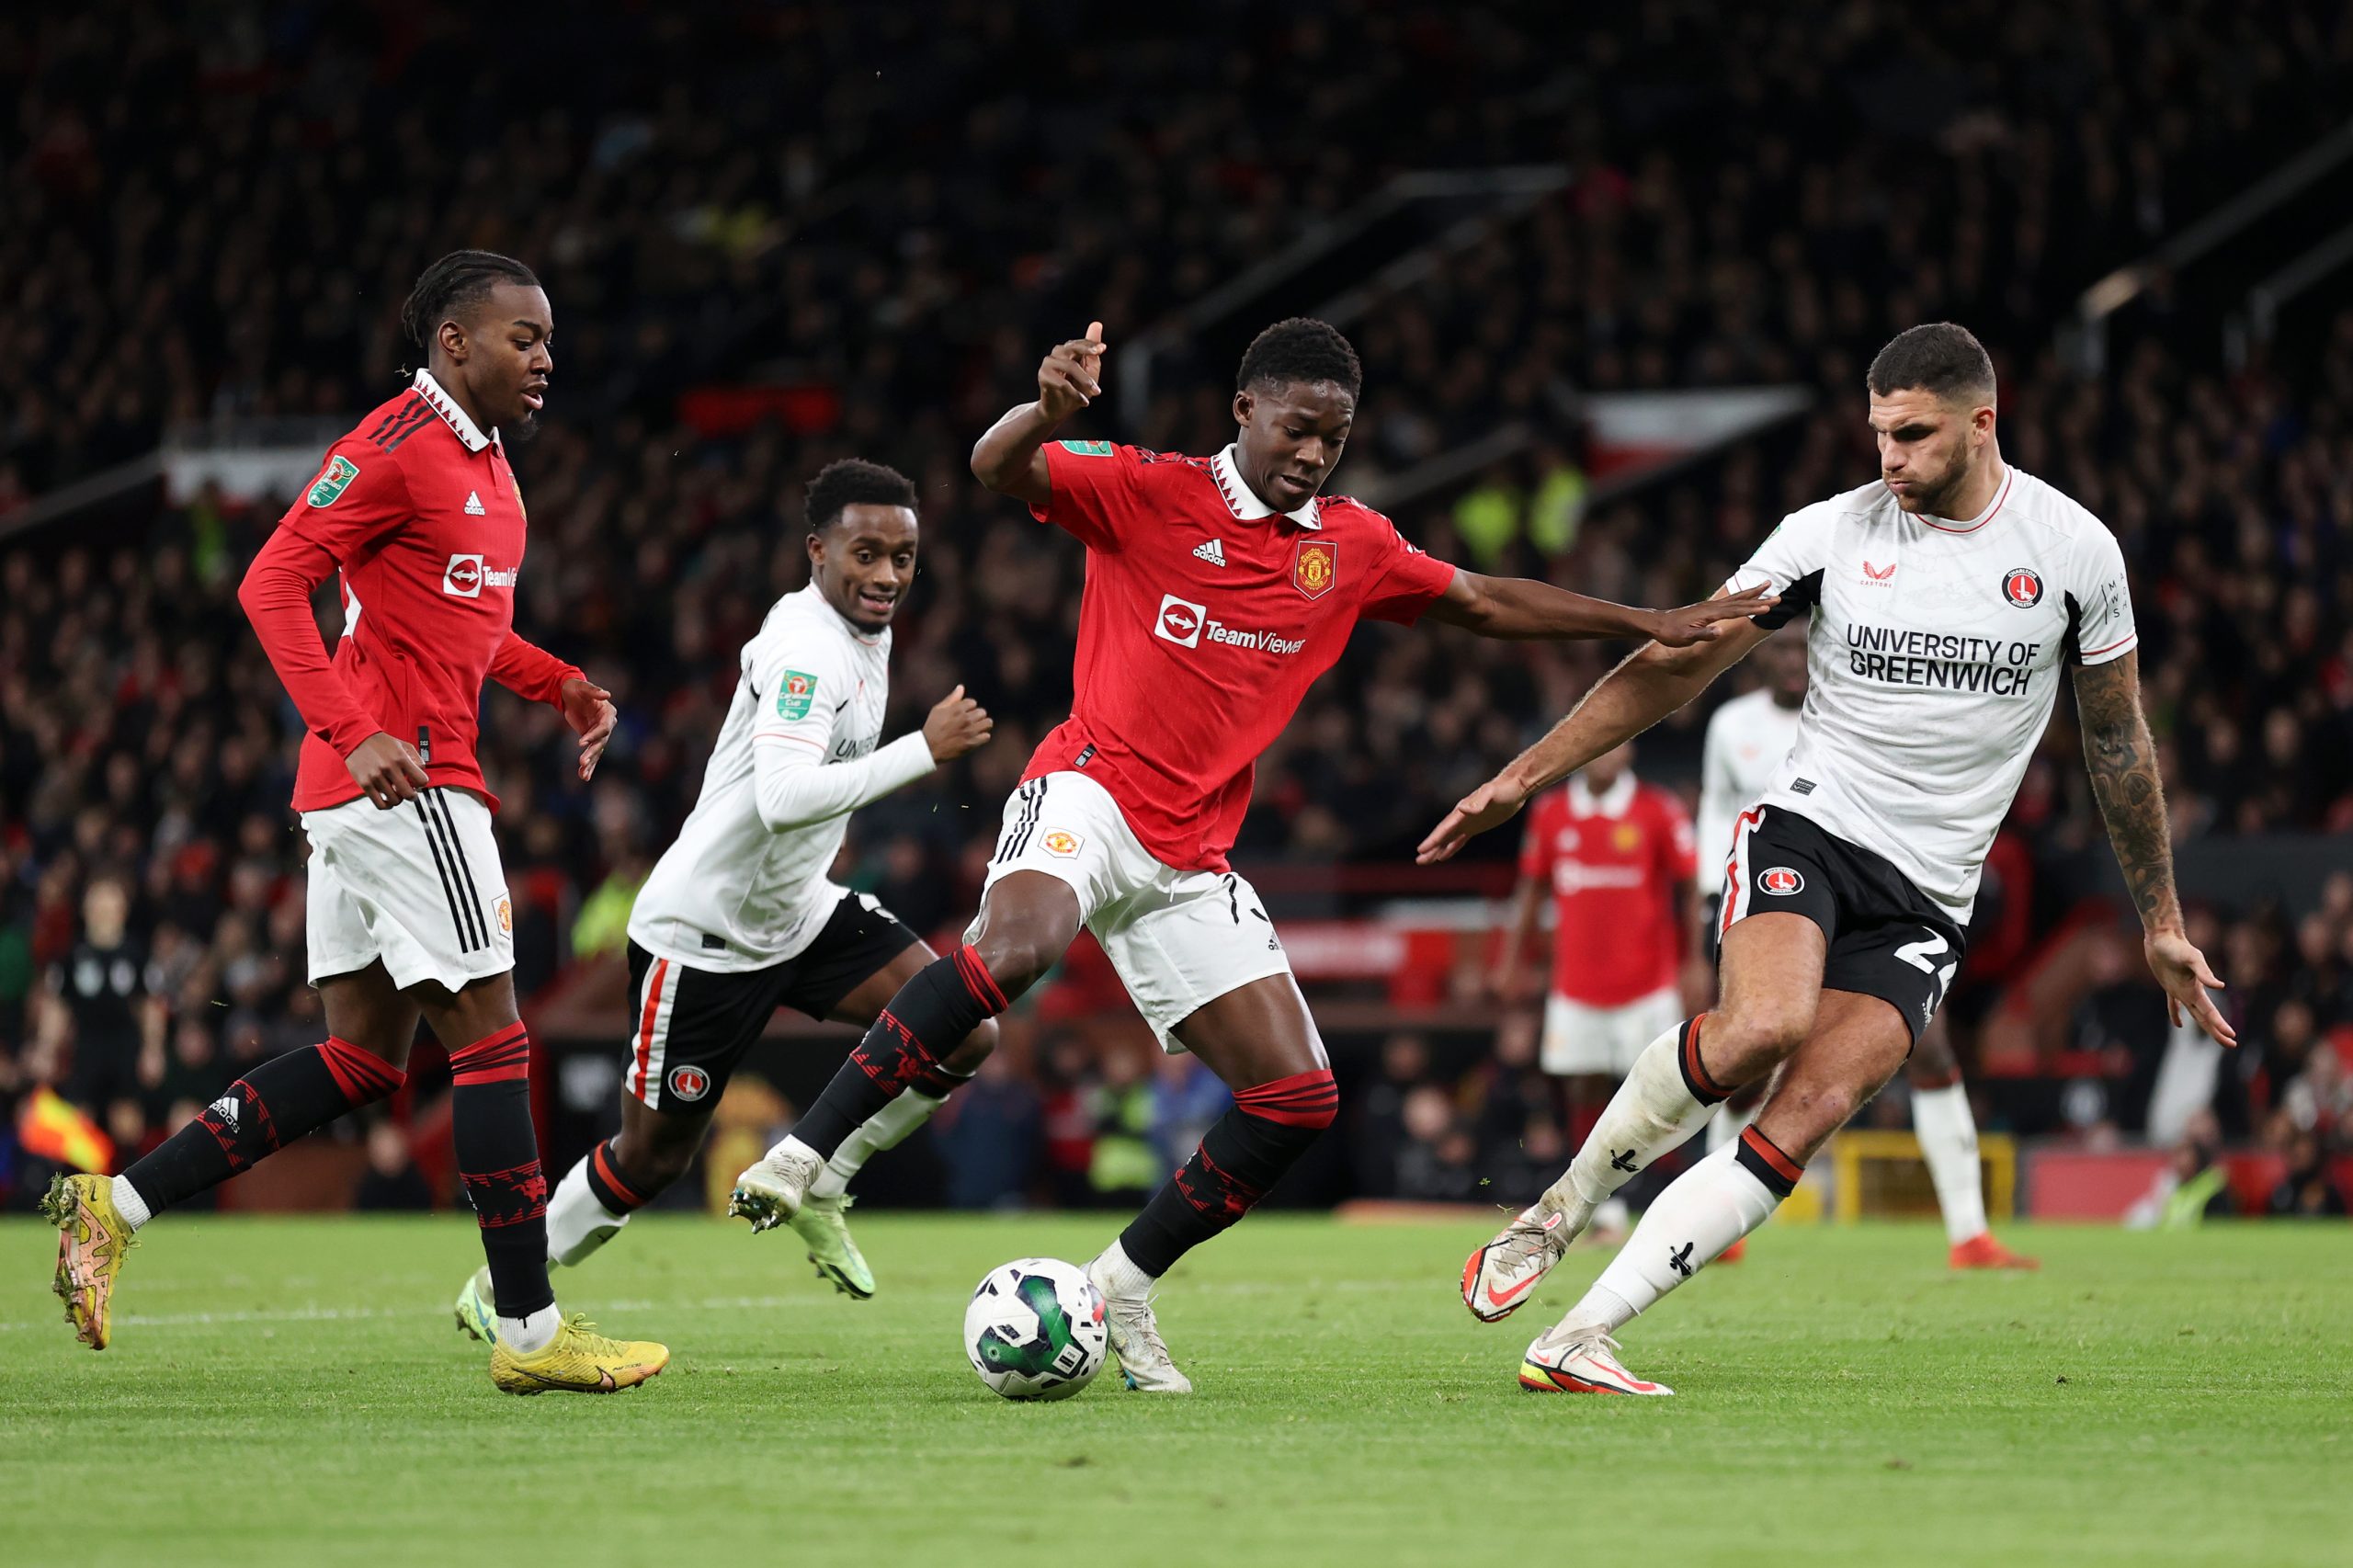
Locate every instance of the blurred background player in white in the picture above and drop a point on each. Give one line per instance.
(738, 919)
(1946, 597)
(1615, 854)
(1748, 738)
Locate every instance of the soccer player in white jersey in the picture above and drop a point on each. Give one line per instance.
(1946, 597)
(1748, 738)
(738, 919)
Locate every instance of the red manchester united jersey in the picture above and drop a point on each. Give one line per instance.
(1614, 862)
(1205, 616)
(420, 513)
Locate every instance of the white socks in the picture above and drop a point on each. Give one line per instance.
(1725, 1125)
(1947, 1134)
(524, 1336)
(1701, 1212)
(577, 1224)
(1121, 1276)
(1652, 1111)
(886, 1129)
(129, 1204)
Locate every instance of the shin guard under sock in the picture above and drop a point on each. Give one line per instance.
(1245, 1152)
(260, 1113)
(498, 1158)
(929, 1017)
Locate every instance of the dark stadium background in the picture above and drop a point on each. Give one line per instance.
(779, 234)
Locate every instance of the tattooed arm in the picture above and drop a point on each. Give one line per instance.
(2122, 760)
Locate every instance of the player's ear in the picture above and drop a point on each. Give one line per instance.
(816, 546)
(1243, 403)
(452, 336)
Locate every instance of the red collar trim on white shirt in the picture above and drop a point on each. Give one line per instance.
(456, 418)
(1244, 503)
(1612, 803)
(2009, 477)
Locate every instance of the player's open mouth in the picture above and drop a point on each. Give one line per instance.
(880, 603)
(533, 399)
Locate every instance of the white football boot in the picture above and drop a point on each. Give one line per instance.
(1501, 1276)
(1579, 1358)
(772, 1187)
(1145, 1364)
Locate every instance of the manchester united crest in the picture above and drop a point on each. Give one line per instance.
(1316, 567)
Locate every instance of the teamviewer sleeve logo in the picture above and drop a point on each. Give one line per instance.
(1180, 622)
(462, 577)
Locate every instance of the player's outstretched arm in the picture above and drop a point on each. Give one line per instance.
(2122, 761)
(1521, 609)
(1007, 458)
(1648, 685)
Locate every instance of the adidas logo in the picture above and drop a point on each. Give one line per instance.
(475, 507)
(1213, 553)
(225, 1107)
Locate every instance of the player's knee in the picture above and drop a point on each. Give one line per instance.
(974, 1049)
(1741, 1046)
(1019, 951)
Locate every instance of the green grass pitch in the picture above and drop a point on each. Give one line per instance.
(293, 1392)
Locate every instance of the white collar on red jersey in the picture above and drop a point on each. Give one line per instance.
(442, 403)
(1243, 502)
(1610, 802)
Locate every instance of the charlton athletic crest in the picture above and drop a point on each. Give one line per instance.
(688, 1083)
(1316, 568)
(2023, 588)
(1782, 881)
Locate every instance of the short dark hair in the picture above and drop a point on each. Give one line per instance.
(1940, 357)
(853, 481)
(1300, 348)
(458, 280)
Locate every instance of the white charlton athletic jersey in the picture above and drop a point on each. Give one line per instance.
(1934, 659)
(732, 893)
(1747, 739)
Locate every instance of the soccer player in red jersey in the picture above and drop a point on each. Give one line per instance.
(419, 511)
(1617, 857)
(1217, 589)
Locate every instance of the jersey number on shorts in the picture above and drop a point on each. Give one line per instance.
(1921, 955)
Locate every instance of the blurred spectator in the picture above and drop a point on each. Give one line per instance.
(2192, 1189)
(988, 1136)
(2306, 1191)
(392, 1180)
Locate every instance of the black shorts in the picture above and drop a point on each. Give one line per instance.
(1886, 937)
(690, 1027)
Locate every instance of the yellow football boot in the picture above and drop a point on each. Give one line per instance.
(577, 1360)
(92, 1238)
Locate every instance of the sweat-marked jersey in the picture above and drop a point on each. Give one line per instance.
(1933, 660)
(1747, 739)
(1205, 616)
(744, 886)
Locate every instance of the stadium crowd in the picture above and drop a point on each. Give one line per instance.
(886, 253)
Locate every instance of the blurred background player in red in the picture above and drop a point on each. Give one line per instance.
(1617, 857)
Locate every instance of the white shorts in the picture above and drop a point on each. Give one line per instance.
(1578, 1039)
(418, 886)
(1178, 939)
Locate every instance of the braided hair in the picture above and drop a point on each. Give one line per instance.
(457, 281)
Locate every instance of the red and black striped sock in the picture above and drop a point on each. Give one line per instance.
(929, 1018)
(260, 1113)
(498, 1159)
(1242, 1157)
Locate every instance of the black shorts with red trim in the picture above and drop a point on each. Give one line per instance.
(691, 1026)
(1886, 937)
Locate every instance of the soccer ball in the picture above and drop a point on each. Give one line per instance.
(1035, 1329)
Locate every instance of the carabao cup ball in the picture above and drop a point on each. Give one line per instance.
(1034, 1329)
